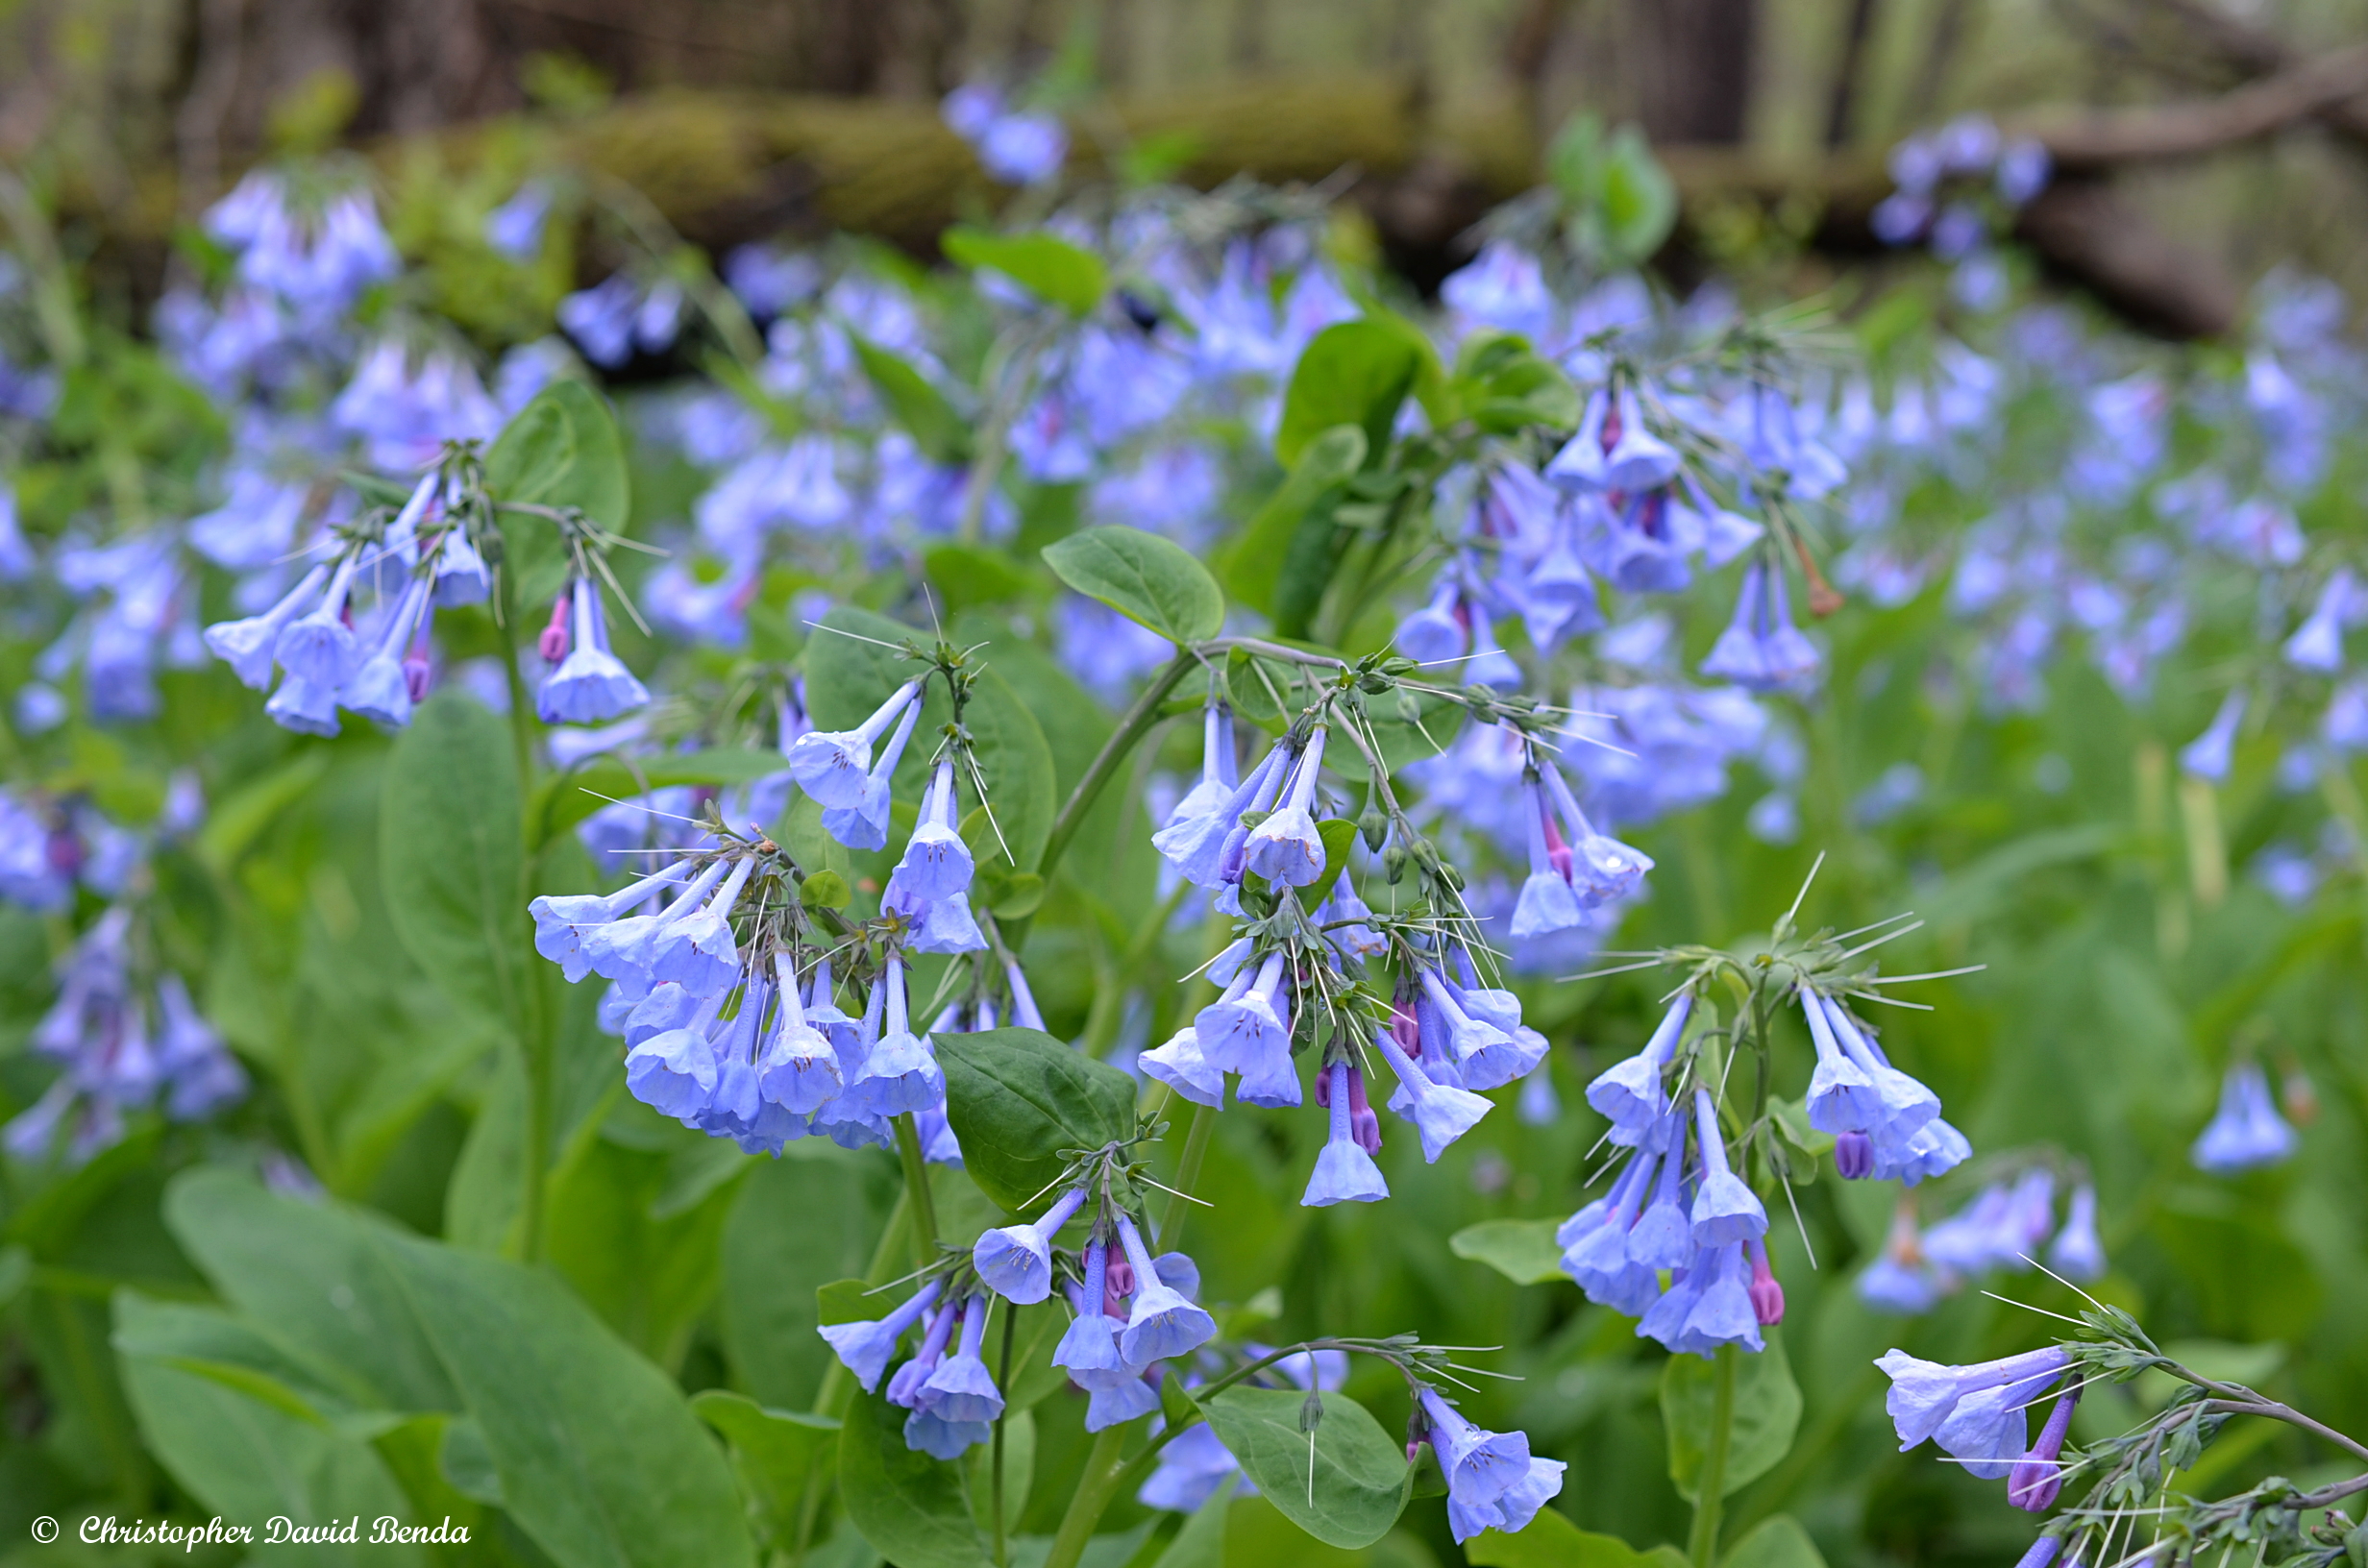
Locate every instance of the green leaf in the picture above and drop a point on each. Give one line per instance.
(1352, 373)
(561, 450)
(1046, 265)
(910, 1505)
(1338, 834)
(1015, 1096)
(598, 1456)
(1551, 1540)
(934, 423)
(799, 1223)
(1151, 580)
(566, 798)
(968, 574)
(249, 1458)
(1361, 1479)
(602, 1462)
(450, 854)
(1768, 1412)
(1523, 1250)
(1779, 1542)
(779, 1455)
(1201, 1541)
(1253, 567)
(1639, 199)
(849, 676)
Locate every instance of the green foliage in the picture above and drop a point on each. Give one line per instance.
(918, 408)
(1046, 265)
(1767, 1413)
(1521, 1250)
(1552, 1541)
(1346, 1487)
(1619, 204)
(1017, 1098)
(1152, 581)
(449, 843)
(563, 449)
(914, 1509)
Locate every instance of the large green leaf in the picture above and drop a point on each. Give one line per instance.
(1361, 1478)
(848, 673)
(596, 1453)
(779, 1455)
(1552, 1541)
(1777, 1543)
(1352, 373)
(1521, 1250)
(799, 1223)
(1016, 1097)
(1151, 580)
(600, 1458)
(250, 1455)
(910, 1505)
(1201, 1541)
(562, 450)
(450, 854)
(934, 423)
(1046, 265)
(1253, 567)
(1768, 1412)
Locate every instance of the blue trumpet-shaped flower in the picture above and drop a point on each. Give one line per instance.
(1725, 1211)
(866, 1347)
(834, 766)
(1016, 1261)
(1440, 1113)
(1344, 1172)
(591, 685)
(1161, 1323)
(2246, 1131)
(961, 1391)
(1629, 1094)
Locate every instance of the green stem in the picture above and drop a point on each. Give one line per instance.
(1002, 1380)
(1187, 1174)
(1095, 1489)
(917, 1188)
(1702, 1544)
(1136, 724)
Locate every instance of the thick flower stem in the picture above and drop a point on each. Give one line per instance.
(1095, 1489)
(1710, 1496)
(917, 1189)
(1133, 726)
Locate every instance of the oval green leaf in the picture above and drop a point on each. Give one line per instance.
(1152, 581)
(1016, 1097)
(1768, 1412)
(1361, 1479)
(911, 1508)
(1046, 265)
(1521, 1250)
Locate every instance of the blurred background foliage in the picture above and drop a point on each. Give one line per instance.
(2060, 848)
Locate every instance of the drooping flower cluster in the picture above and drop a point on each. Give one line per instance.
(1977, 1415)
(1679, 1239)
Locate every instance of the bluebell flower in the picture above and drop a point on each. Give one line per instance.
(1462, 1038)
(1629, 1094)
(904, 1386)
(1906, 1108)
(1503, 288)
(1219, 775)
(1481, 1466)
(1762, 650)
(1180, 1065)
(1248, 1025)
(250, 647)
(1718, 1307)
(1438, 633)
(1129, 1398)
(562, 919)
(1614, 451)
(1344, 1172)
(1192, 1466)
(1595, 1255)
(834, 767)
(2037, 1479)
(1601, 869)
(673, 1072)
(694, 947)
(1089, 1350)
(303, 706)
(1286, 848)
(2209, 754)
(937, 864)
(1924, 1395)
(1016, 1261)
(1440, 1113)
(864, 825)
(2076, 1253)
(1663, 1234)
(1196, 847)
(1161, 1323)
(2317, 643)
(600, 319)
(317, 647)
(591, 685)
(1725, 1211)
(515, 227)
(380, 688)
(799, 1070)
(2246, 1131)
(1842, 1099)
(961, 1391)
(899, 1072)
